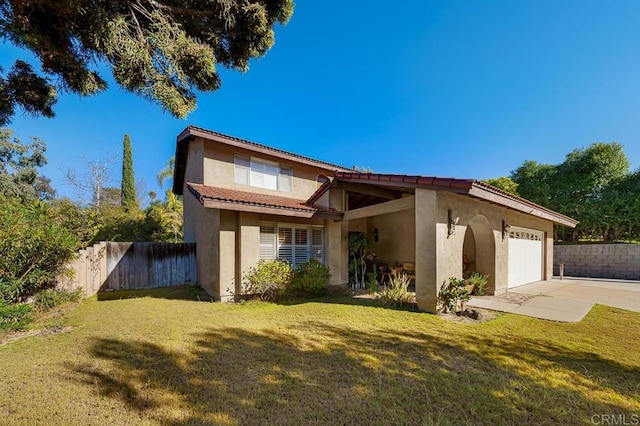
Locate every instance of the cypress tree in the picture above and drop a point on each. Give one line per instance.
(129, 199)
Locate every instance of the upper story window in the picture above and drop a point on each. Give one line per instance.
(262, 174)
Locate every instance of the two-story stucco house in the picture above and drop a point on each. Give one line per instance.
(244, 202)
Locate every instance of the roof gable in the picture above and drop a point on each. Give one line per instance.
(192, 132)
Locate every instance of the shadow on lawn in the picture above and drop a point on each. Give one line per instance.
(182, 292)
(339, 375)
(351, 301)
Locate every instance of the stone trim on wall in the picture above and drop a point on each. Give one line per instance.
(617, 261)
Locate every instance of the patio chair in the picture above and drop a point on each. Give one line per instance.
(409, 269)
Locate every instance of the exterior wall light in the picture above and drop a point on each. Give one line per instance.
(452, 222)
(505, 229)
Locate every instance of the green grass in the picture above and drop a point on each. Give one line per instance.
(155, 360)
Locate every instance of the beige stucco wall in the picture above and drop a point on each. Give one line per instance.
(337, 255)
(201, 226)
(469, 209)
(193, 173)
(439, 255)
(190, 216)
(219, 171)
(358, 225)
(228, 230)
(396, 236)
(469, 248)
(337, 241)
(426, 249)
(207, 239)
(248, 252)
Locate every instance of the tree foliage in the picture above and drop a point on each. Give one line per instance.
(534, 181)
(129, 198)
(166, 174)
(110, 196)
(504, 183)
(162, 50)
(160, 222)
(19, 164)
(22, 87)
(592, 185)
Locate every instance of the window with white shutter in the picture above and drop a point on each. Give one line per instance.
(301, 246)
(262, 174)
(268, 242)
(242, 169)
(285, 179)
(317, 243)
(285, 244)
(295, 244)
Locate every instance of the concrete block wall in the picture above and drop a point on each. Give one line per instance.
(618, 261)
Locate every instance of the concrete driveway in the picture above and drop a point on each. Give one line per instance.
(567, 300)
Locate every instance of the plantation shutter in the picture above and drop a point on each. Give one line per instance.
(285, 244)
(317, 244)
(285, 179)
(242, 169)
(271, 176)
(257, 174)
(301, 252)
(291, 243)
(267, 242)
(264, 175)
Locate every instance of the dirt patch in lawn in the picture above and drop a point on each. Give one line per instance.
(43, 332)
(470, 316)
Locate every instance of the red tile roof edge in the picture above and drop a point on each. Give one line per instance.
(251, 198)
(319, 192)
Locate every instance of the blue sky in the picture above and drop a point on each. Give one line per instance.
(455, 88)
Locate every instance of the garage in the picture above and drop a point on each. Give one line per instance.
(526, 256)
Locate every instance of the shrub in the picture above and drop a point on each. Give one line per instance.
(14, 317)
(47, 299)
(268, 279)
(479, 282)
(310, 279)
(34, 250)
(453, 294)
(372, 281)
(397, 293)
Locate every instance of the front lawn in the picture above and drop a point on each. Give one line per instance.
(155, 360)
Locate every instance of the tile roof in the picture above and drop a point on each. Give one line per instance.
(469, 187)
(233, 196)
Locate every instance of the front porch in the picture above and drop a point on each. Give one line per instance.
(408, 227)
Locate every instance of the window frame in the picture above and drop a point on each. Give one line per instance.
(294, 258)
(247, 167)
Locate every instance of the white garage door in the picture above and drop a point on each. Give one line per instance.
(525, 256)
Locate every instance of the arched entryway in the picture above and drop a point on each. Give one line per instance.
(479, 250)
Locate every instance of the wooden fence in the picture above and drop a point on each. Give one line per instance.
(128, 266)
